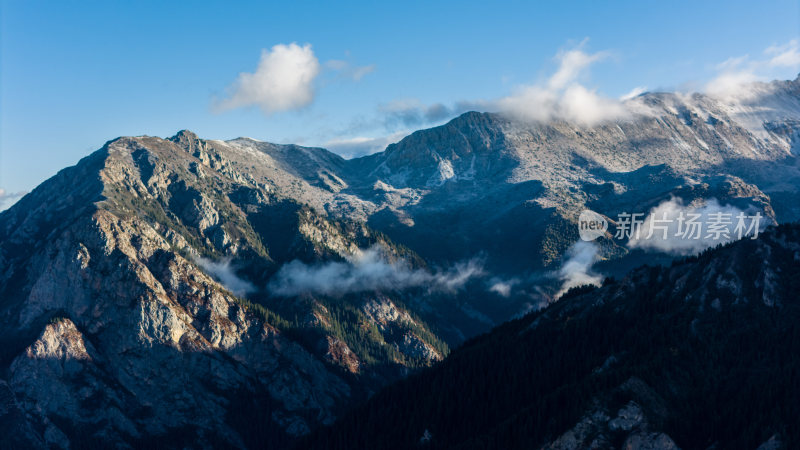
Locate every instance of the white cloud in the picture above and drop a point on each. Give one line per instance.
(577, 268)
(572, 63)
(562, 97)
(502, 287)
(223, 273)
(736, 76)
(731, 84)
(787, 55)
(283, 81)
(633, 93)
(680, 236)
(369, 271)
(7, 199)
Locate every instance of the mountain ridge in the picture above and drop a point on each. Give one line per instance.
(285, 283)
(105, 294)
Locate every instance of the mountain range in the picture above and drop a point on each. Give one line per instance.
(698, 354)
(190, 292)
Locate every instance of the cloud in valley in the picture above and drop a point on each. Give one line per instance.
(223, 273)
(369, 271)
(502, 287)
(674, 216)
(576, 270)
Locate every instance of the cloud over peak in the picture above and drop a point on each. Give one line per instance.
(561, 96)
(735, 78)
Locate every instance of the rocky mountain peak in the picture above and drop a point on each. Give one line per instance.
(162, 277)
(133, 286)
(186, 140)
(60, 340)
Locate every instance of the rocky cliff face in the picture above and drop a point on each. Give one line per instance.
(119, 323)
(140, 340)
(270, 286)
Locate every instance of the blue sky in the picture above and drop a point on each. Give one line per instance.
(74, 75)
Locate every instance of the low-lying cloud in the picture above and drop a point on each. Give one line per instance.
(668, 227)
(370, 271)
(502, 287)
(577, 267)
(223, 273)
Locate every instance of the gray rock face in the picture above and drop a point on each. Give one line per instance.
(113, 327)
(111, 330)
(168, 343)
(630, 425)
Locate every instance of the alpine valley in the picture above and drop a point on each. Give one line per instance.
(193, 293)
